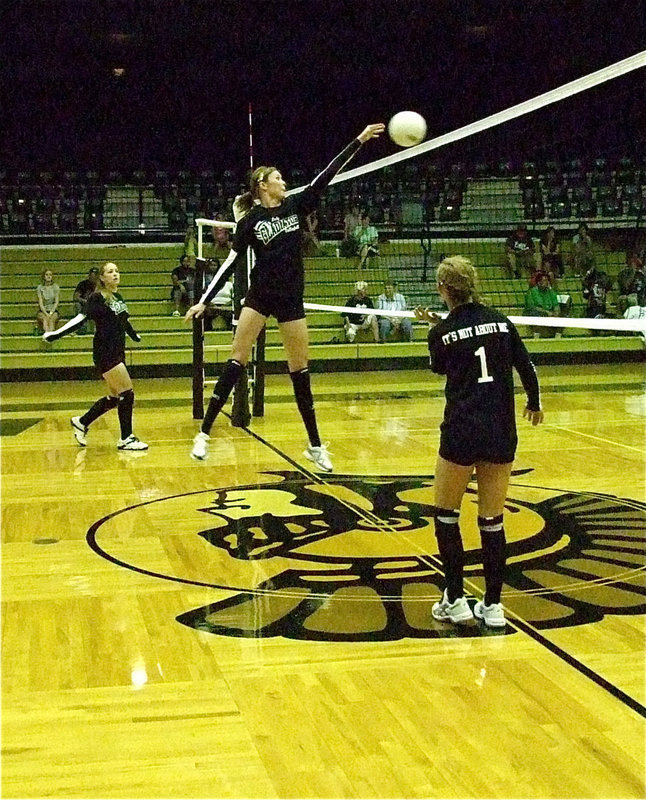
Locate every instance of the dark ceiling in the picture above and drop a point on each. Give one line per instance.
(315, 71)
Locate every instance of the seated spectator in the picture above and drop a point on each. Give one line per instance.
(391, 300)
(221, 242)
(182, 279)
(367, 239)
(48, 294)
(637, 312)
(351, 221)
(82, 293)
(583, 251)
(596, 284)
(542, 301)
(360, 322)
(551, 260)
(631, 284)
(220, 307)
(519, 250)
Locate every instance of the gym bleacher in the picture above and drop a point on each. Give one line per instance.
(72, 221)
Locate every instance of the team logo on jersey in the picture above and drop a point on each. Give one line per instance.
(266, 230)
(116, 305)
(354, 558)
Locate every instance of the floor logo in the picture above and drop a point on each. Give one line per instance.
(354, 558)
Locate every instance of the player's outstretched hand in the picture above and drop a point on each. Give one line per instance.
(535, 417)
(426, 315)
(47, 336)
(195, 311)
(371, 132)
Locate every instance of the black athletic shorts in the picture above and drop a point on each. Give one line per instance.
(286, 308)
(467, 451)
(105, 360)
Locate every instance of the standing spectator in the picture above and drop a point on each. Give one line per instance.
(367, 239)
(182, 279)
(391, 300)
(519, 250)
(190, 244)
(48, 294)
(351, 222)
(311, 243)
(631, 284)
(221, 242)
(583, 251)
(596, 284)
(542, 301)
(360, 322)
(551, 259)
(82, 293)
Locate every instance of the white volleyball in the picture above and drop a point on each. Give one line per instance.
(407, 128)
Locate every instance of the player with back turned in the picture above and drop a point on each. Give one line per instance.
(477, 349)
(272, 224)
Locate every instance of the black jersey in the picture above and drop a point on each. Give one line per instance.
(112, 322)
(276, 237)
(357, 302)
(477, 348)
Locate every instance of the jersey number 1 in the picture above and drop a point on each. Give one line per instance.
(485, 377)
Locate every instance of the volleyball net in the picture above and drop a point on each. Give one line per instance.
(489, 191)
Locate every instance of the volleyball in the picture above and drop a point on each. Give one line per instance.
(407, 128)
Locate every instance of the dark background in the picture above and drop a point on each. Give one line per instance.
(315, 71)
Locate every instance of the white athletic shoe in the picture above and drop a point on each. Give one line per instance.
(493, 615)
(457, 611)
(200, 446)
(320, 456)
(131, 443)
(79, 430)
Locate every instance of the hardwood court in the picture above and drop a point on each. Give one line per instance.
(244, 628)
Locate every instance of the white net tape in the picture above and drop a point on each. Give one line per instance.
(618, 325)
(513, 112)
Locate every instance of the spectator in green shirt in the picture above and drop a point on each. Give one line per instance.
(542, 301)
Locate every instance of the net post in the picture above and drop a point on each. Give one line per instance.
(198, 340)
(240, 413)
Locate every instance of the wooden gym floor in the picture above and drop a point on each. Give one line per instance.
(245, 628)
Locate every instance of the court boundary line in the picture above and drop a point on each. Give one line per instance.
(521, 625)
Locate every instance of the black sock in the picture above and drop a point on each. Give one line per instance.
(102, 405)
(221, 392)
(492, 536)
(126, 403)
(449, 541)
(305, 403)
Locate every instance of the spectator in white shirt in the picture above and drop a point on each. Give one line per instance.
(391, 300)
(221, 306)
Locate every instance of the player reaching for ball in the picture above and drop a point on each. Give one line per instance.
(476, 348)
(272, 226)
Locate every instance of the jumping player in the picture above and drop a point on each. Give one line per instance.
(272, 226)
(106, 308)
(476, 348)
